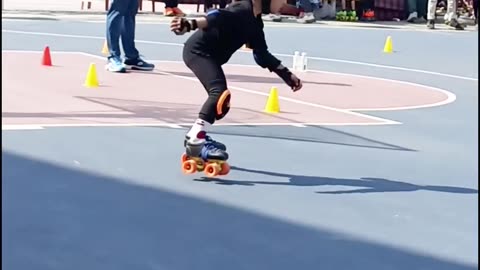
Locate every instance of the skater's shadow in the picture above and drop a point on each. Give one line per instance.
(362, 185)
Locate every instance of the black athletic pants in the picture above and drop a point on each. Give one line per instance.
(211, 75)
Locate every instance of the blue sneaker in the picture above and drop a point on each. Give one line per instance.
(139, 64)
(115, 65)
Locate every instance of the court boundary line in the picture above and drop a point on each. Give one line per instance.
(8, 127)
(292, 100)
(450, 98)
(276, 54)
(245, 90)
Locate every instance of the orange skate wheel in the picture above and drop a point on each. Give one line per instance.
(189, 166)
(225, 169)
(212, 169)
(184, 157)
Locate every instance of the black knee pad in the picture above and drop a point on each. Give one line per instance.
(223, 105)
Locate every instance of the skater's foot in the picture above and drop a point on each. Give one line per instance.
(209, 151)
(196, 145)
(217, 144)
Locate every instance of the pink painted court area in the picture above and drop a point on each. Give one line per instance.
(39, 95)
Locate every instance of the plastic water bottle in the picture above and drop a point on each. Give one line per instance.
(303, 62)
(296, 60)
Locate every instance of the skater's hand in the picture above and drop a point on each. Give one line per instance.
(296, 83)
(289, 78)
(178, 25)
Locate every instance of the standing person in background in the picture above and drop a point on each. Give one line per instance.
(171, 8)
(451, 16)
(475, 11)
(209, 4)
(417, 11)
(121, 24)
(308, 8)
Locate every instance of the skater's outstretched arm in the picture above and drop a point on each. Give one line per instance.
(265, 59)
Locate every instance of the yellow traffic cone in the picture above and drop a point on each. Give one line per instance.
(91, 79)
(272, 105)
(388, 48)
(105, 48)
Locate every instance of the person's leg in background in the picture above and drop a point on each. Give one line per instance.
(217, 105)
(115, 14)
(451, 18)
(431, 9)
(451, 15)
(171, 8)
(416, 11)
(422, 10)
(223, 3)
(308, 9)
(208, 4)
(475, 10)
(132, 56)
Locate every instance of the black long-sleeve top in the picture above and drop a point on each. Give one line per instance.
(228, 30)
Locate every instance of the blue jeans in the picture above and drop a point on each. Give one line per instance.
(121, 23)
(307, 5)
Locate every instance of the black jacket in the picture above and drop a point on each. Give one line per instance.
(228, 30)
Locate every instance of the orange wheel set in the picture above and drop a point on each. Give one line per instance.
(211, 168)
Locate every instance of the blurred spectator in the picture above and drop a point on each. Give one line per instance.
(417, 11)
(450, 16)
(475, 11)
(209, 4)
(171, 8)
(273, 9)
(387, 10)
(121, 24)
(307, 8)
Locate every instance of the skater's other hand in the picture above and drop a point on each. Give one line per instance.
(177, 26)
(297, 83)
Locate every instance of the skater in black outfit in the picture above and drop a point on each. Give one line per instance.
(220, 34)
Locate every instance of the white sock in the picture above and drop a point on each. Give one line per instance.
(199, 125)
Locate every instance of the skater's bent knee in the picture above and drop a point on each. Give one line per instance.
(223, 104)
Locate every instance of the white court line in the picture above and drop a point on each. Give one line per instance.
(7, 127)
(276, 54)
(269, 24)
(382, 121)
(21, 127)
(241, 89)
(450, 96)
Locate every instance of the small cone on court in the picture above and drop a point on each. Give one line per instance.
(388, 48)
(46, 58)
(91, 79)
(272, 105)
(105, 48)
